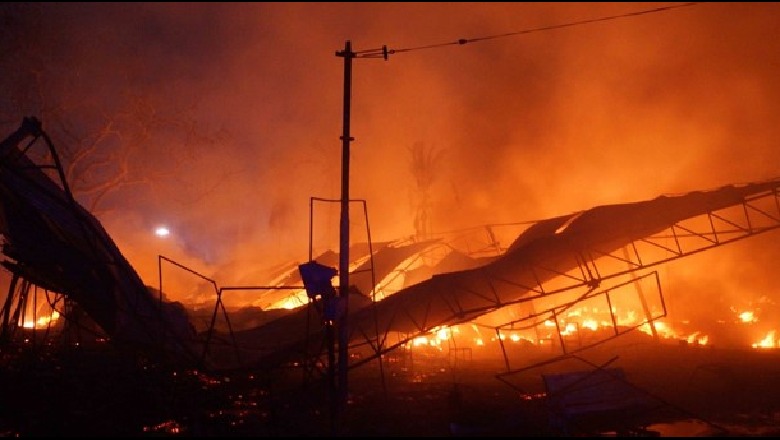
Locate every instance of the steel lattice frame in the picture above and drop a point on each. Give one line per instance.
(588, 267)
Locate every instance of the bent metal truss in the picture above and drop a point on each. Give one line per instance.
(553, 264)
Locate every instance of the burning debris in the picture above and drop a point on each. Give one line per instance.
(562, 286)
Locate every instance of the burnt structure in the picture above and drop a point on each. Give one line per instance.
(53, 242)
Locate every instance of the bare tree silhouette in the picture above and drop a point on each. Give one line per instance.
(112, 136)
(424, 165)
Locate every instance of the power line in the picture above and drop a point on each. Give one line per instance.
(384, 52)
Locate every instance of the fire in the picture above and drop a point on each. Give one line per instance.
(569, 329)
(747, 316)
(439, 337)
(435, 337)
(587, 321)
(590, 324)
(390, 284)
(697, 339)
(43, 321)
(580, 323)
(769, 341)
(423, 340)
(443, 334)
(291, 302)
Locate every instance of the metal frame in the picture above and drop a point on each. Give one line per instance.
(755, 215)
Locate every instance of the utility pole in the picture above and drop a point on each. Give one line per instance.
(343, 329)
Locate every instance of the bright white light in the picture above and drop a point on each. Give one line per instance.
(162, 231)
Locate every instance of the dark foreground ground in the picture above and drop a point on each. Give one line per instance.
(97, 391)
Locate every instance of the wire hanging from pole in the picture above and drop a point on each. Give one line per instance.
(384, 52)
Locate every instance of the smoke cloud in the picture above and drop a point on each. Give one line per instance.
(522, 127)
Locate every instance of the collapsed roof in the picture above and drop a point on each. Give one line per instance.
(57, 244)
(547, 249)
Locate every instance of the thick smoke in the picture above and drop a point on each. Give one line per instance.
(524, 127)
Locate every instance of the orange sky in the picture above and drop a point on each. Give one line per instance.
(529, 126)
